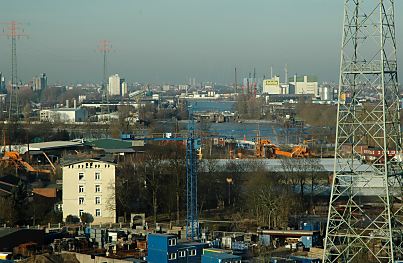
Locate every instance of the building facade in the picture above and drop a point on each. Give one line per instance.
(65, 115)
(89, 187)
(114, 85)
(40, 83)
(304, 85)
(272, 86)
(164, 248)
(2, 84)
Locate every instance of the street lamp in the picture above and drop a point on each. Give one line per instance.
(229, 182)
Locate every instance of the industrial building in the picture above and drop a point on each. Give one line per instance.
(65, 115)
(89, 186)
(273, 86)
(304, 85)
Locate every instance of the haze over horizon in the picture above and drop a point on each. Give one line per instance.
(170, 41)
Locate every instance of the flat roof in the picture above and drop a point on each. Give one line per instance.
(221, 256)
(42, 146)
(288, 233)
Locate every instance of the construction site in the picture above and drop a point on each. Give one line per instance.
(163, 190)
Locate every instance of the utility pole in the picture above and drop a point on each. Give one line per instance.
(105, 47)
(365, 210)
(13, 31)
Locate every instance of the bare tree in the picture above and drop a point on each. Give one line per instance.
(299, 172)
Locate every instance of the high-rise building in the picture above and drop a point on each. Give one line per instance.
(2, 83)
(36, 83)
(40, 83)
(124, 89)
(117, 86)
(114, 85)
(44, 81)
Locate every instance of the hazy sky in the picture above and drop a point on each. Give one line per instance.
(172, 40)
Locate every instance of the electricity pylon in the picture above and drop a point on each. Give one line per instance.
(365, 214)
(13, 31)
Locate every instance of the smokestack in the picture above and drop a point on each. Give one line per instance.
(75, 103)
(67, 104)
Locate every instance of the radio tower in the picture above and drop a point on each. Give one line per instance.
(14, 31)
(105, 47)
(365, 209)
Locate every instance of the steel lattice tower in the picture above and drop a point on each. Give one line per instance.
(192, 219)
(364, 220)
(14, 32)
(105, 48)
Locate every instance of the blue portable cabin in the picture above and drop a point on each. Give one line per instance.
(190, 252)
(166, 248)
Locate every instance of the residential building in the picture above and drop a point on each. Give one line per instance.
(304, 85)
(65, 115)
(117, 86)
(44, 81)
(123, 88)
(89, 186)
(40, 83)
(114, 85)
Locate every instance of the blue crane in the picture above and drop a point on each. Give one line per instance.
(193, 152)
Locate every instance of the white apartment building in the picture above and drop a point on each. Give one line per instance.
(304, 85)
(124, 89)
(89, 186)
(117, 86)
(114, 85)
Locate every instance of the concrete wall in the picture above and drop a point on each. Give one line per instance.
(71, 194)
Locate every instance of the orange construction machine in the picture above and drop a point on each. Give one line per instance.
(266, 149)
(15, 159)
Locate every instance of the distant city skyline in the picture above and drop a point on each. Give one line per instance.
(163, 41)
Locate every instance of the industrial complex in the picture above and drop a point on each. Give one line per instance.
(267, 168)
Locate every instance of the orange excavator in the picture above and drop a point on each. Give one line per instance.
(15, 159)
(266, 149)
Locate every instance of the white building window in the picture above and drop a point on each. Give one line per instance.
(192, 252)
(172, 256)
(81, 200)
(97, 176)
(97, 212)
(97, 200)
(80, 212)
(172, 242)
(81, 188)
(80, 176)
(97, 188)
(182, 254)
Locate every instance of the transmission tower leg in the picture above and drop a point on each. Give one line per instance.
(364, 218)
